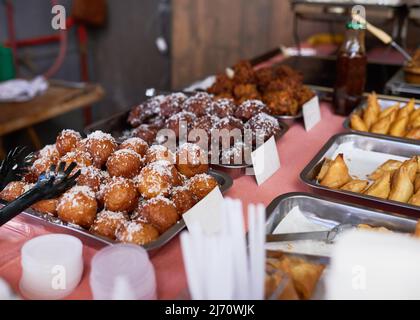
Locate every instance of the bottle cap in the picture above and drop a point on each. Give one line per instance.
(354, 25)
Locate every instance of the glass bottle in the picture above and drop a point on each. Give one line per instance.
(351, 70)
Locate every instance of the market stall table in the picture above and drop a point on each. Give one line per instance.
(296, 149)
(57, 100)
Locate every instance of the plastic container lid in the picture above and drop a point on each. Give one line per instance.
(122, 272)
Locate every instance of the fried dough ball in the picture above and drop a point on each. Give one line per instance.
(263, 127)
(245, 92)
(191, 160)
(48, 206)
(78, 206)
(92, 177)
(239, 154)
(67, 140)
(46, 157)
(244, 72)
(107, 223)
(83, 159)
(223, 108)
(160, 212)
(124, 163)
(30, 176)
(201, 185)
(159, 152)
(172, 104)
(250, 108)
(229, 123)
(198, 104)
(137, 233)
(145, 110)
(100, 145)
(180, 122)
(183, 199)
(49, 152)
(157, 178)
(14, 190)
(120, 195)
(146, 132)
(222, 85)
(281, 103)
(136, 144)
(156, 123)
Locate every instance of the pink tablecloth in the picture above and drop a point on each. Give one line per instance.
(296, 149)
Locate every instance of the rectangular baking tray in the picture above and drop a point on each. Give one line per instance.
(398, 85)
(364, 142)
(225, 183)
(384, 102)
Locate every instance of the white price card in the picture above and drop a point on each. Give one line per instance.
(266, 161)
(207, 213)
(311, 113)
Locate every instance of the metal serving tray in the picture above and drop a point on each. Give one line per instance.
(364, 142)
(384, 102)
(225, 183)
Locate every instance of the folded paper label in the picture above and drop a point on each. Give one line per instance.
(206, 213)
(265, 161)
(311, 113)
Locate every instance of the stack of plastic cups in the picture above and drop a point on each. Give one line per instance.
(123, 272)
(52, 266)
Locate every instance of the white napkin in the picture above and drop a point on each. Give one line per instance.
(20, 90)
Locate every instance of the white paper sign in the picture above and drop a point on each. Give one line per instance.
(207, 213)
(311, 113)
(266, 161)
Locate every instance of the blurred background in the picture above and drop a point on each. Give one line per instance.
(129, 46)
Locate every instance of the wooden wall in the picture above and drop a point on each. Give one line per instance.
(209, 35)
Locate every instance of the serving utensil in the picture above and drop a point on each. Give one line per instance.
(327, 236)
(15, 165)
(50, 185)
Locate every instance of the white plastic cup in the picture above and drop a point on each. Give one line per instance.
(122, 272)
(52, 267)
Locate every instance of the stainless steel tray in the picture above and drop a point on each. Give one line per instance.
(364, 142)
(384, 101)
(225, 183)
(328, 212)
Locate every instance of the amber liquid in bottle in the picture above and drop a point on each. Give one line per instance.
(350, 73)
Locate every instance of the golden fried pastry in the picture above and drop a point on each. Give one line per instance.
(124, 163)
(182, 198)
(191, 160)
(281, 103)
(357, 186)
(324, 169)
(406, 111)
(100, 145)
(411, 166)
(357, 123)
(136, 144)
(388, 166)
(78, 206)
(46, 157)
(381, 187)
(372, 111)
(398, 127)
(414, 116)
(201, 185)
(417, 182)
(337, 174)
(413, 134)
(382, 126)
(402, 187)
(135, 232)
(391, 111)
(145, 132)
(274, 279)
(14, 190)
(160, 212)
(180, 122)
(120, 195)
(107, 223)
(370, 228)
(83, 159)
(157, 178)
(415, 200)
(48, 206)
(49, 152)
(159, 152)
(91, 177)
(67, 141)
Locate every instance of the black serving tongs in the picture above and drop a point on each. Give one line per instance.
(50, 185)
(14, 166)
